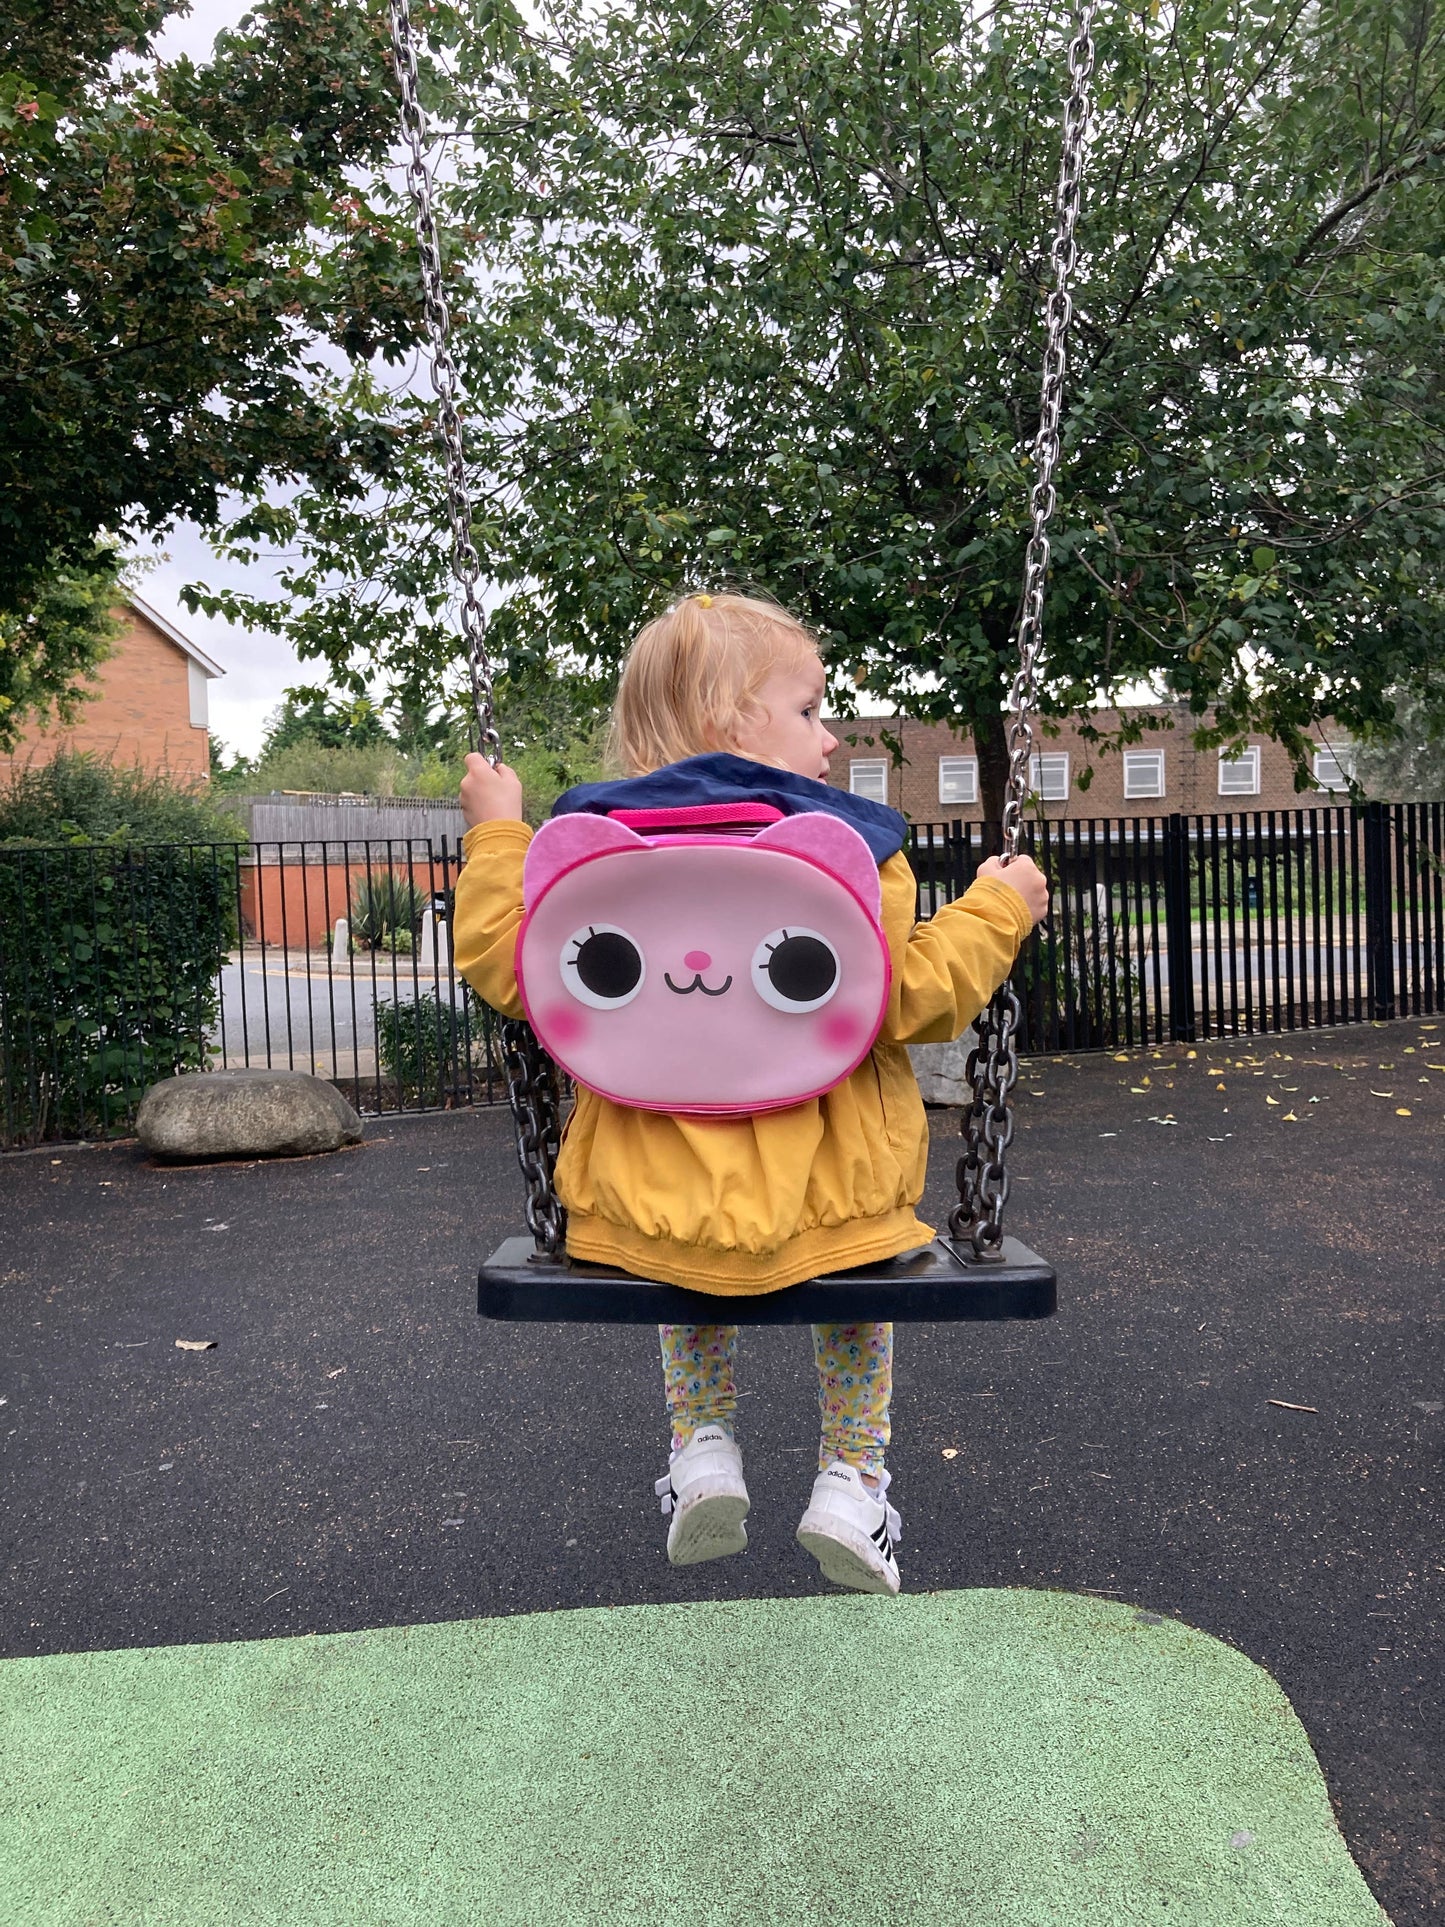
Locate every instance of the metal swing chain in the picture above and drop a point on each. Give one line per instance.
(993, 1068)
(466, 565)
(532, 1094)
(531, 1074)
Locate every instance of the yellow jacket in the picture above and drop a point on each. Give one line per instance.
(740, 1205)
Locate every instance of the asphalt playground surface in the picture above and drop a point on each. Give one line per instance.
(1235, 1422)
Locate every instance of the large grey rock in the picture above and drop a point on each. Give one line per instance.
(244, 1114)
(942, 1069)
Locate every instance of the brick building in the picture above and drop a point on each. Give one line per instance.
(149, 705)
(1160, 774)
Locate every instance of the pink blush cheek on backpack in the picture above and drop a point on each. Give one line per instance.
(701, 975)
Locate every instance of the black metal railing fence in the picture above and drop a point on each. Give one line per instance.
(122, 964)
(1191, 927)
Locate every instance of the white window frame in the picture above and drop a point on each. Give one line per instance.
(958, 774)
(1340, 760)
(1145, 764)
(1249, 759)
(1046, 768)
(874, 771)
(198, 692)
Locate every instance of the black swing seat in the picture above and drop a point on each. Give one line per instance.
(944, 1281)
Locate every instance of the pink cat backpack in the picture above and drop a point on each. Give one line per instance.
(713, 960)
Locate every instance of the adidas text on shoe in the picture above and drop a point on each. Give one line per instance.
(703, 1494)
(852, 1531)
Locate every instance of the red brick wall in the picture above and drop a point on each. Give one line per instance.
(140, 712)
(1191, 777)
(298, 904)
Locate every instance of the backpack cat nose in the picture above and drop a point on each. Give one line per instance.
(698, 960)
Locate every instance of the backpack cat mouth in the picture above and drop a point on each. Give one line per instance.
(686, 990)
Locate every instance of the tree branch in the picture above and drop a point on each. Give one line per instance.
(1342, 210)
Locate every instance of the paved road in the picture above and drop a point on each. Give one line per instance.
(303, 1008)
(302, 1011)
(358, 1451)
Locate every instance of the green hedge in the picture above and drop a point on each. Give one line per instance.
(110, 953)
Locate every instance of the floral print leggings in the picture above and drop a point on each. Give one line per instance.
(855, 1385)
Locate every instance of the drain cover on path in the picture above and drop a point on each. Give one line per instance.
(1020, 1758)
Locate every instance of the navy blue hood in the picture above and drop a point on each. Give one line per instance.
(719, 778)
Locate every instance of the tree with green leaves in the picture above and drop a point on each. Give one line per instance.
(314, 716)
(182, 248)
(53, 645)
(753, 292)
(1406, 763)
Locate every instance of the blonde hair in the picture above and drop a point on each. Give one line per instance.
(693, 675)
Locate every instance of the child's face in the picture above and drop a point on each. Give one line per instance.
(789, 733)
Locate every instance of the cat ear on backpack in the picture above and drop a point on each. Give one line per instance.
(833, 846)
(565, 841)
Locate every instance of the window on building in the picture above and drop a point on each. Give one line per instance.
(868, 776)
(196, 684)
(1334, 767)
(1049, 776)
(1143, 773)
(958, 779)
(1239, 775)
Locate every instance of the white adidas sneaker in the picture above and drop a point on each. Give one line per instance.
(852, 1532)
(704, 1495)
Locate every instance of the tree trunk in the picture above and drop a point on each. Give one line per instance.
(990, 739)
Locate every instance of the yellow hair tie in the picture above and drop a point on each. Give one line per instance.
(704, 602)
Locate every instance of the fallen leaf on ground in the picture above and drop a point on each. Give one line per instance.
(337, 1373)
(195, 1344)
(1137, 1090)
(1272, 1100)
(950, 1451)
(1285, 1405)
(1289, 1118)
(1375, 1093)
(1401, 1111)
(1164, 1120)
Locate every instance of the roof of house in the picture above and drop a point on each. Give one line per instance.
(168, 629)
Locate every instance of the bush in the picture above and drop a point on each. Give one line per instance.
(385, 906)
(355, 769)
(87, 796)
(110, 954)
(116, 914)
(428, 1046)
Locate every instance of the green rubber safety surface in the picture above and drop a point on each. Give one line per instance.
(1020, 1758)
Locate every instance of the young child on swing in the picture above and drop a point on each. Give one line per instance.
(719, 702)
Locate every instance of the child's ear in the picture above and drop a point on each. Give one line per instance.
(832, 845)
(565, 841)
